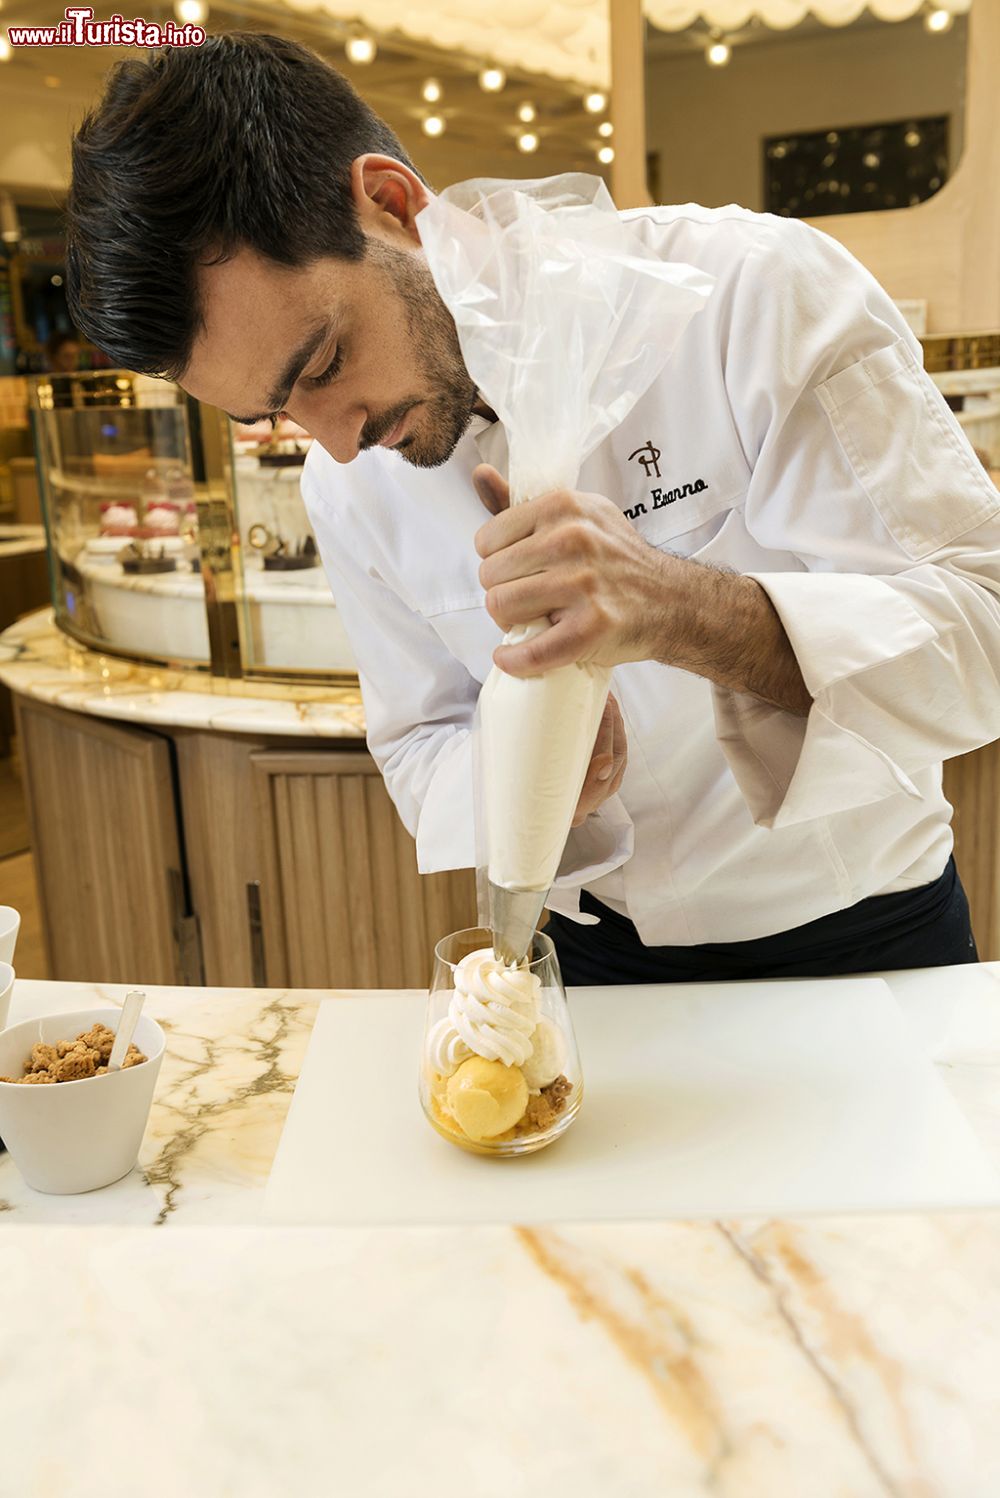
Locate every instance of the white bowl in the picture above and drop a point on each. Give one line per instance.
(10, 922)
(6, 991)
(76, 1136)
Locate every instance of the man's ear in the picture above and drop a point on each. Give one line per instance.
(387, 195)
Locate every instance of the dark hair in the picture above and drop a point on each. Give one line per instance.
(192, 154)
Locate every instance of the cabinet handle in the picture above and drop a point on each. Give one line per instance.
(187, 933)
(258, 961)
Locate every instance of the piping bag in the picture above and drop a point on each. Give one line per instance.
(565, 316)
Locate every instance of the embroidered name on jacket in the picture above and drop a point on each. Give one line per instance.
(663, 497)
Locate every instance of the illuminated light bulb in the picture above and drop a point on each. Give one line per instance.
(605, 128)
(5, 49)
(527, 141)
(431, 91)
(526, 113)
(606, 155)
(492, 80)
(191, 12)
(718, 54)
(938, 20)
(433, 124)
(595, 103)
(361, 49)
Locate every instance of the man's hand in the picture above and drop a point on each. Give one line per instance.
(611, 597)
(607, 763)
(575, 559)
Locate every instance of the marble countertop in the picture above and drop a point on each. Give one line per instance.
(21, 540)
(817, 1358)
(39, 661)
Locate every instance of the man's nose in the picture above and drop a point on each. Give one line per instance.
(339, 432)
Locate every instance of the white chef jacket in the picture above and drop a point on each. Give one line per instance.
(797, 440)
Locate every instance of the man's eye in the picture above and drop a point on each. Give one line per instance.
(331, 371)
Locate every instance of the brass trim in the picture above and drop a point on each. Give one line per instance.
(949, 353)
(216, 537)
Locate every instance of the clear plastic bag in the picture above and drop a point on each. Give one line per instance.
(565, 317)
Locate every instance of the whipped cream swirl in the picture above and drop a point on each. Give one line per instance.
(493, 1013)
(446, 1050)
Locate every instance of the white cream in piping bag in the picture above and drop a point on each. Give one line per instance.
(537, 737)
(494, 1013)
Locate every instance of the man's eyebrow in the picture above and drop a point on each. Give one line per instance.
(291, 372)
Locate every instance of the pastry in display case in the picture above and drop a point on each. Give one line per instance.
(178, 537)
(118, 491)
(287, 622)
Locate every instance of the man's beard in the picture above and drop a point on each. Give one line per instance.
(446, 411)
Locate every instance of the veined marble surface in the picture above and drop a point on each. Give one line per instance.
(852, 1357)
(38, 660)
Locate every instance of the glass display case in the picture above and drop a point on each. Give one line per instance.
(178, 538)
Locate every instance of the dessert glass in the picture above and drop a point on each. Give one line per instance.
(499, 1070)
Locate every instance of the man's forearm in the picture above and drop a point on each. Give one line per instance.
(724, 627)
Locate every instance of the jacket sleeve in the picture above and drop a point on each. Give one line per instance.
(420, 703)
(863, 474)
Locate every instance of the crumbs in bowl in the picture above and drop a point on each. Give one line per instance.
(74, 1060)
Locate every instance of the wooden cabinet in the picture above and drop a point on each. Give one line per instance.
(107, 852)
(223, 850)
(972, 785)
(342, 903)
(181, 856)
(24, 585)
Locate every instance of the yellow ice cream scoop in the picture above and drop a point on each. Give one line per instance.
(486, 1098)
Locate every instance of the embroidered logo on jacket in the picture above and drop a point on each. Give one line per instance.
(651, 461)
(661, 498)
(649, 457)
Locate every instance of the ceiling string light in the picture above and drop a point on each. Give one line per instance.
(361, 49)
(191, 12)
(527, 141)
(938, 20)
(606, 155)
(595, 103)
(606, 129)
(718, 53)
(431, 91)
(433, 125)
(492, 80)
(526, 113)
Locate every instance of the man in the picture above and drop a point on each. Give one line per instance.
(62, 353)
(787, 550)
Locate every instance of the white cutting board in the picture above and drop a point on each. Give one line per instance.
(700, 1100)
